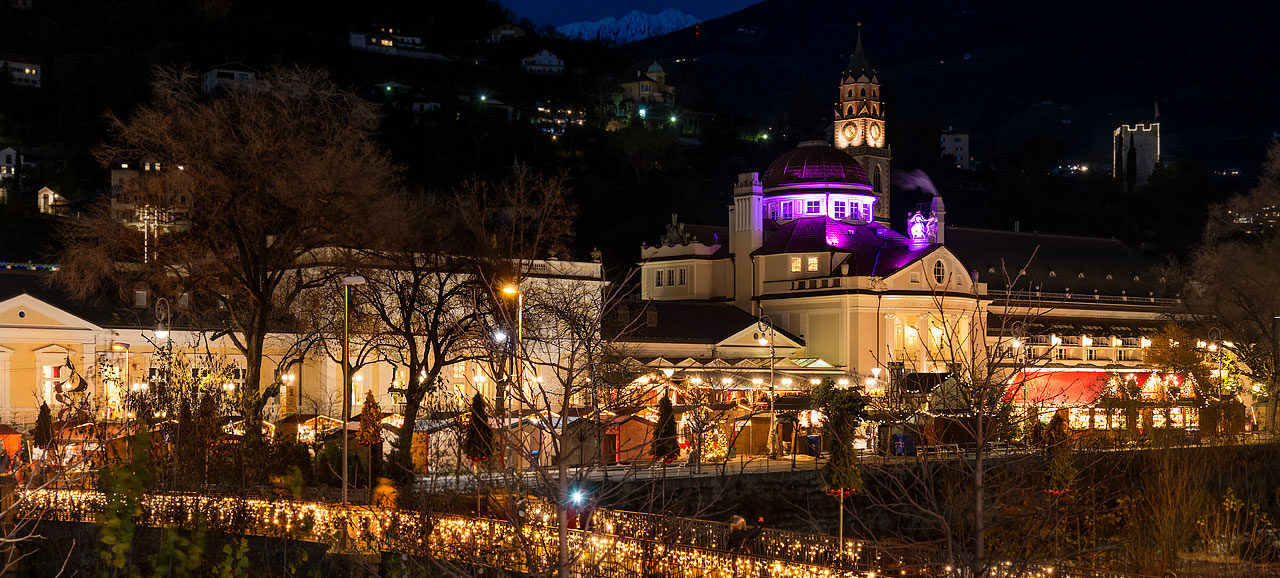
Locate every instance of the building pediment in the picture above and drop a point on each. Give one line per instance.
(28, 312)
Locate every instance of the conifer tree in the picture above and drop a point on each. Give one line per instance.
(44, 426)
(665, 446)
(479, 439)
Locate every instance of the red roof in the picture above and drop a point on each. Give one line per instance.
(1057, 388)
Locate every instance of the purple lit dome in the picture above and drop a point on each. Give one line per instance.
(815, 162)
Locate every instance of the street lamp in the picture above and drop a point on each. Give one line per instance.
(347, 282)
(765, 325)
(517, 373)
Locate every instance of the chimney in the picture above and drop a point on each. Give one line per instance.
(939, 211)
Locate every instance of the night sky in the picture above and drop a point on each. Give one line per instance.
(564, 11)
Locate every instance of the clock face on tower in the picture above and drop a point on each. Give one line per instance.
(875, 132)
(850, 131)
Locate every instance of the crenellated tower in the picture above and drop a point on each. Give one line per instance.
(859, 125)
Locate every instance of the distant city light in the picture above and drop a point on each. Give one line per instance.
(644, 112)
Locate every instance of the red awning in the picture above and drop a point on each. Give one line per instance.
(1057, 388)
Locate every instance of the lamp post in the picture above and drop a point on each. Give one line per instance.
(765, 325)
(517, 375)
(347, 282)
(1215, 338)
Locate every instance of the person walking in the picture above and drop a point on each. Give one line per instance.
(739, 534)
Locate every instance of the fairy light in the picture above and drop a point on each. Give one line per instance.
(616, 540)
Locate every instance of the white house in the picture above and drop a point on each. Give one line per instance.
(544, 62)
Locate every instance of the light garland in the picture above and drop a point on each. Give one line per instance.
(629, 540)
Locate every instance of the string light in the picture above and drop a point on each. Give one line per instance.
(617, 539)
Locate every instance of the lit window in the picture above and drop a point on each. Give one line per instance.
(671, 277)
(786, 211)
(838, 210)
(866, 213)
(813, 263)
(657, 278)
(812, 207)
(681, 277)
(52, 375)
(939, 271)
(795, 264)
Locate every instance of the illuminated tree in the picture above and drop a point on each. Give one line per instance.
(1174, 349)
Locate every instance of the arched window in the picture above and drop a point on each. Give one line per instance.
(848, 111)
(875, 180)
(863, 92)
(850, 93)
(939, 271)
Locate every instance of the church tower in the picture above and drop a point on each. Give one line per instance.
(859, 125)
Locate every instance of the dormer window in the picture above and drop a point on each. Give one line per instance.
(813, 207)
(795, 264)
(813, 264)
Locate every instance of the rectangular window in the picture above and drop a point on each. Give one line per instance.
(139, 298)
(1092, 354)
(681, 276)
(813, 207)
(795, 264)
(671, 277)
(1059, 353)
(915, 277)
(866, 213)
(52, 375)
(813, 263)
(786, 210)
(838, 210)
(773, 211)
(657, 278)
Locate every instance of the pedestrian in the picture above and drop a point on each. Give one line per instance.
(739, 534)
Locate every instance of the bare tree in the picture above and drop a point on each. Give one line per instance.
(957, 498)
(245, 190)
(1232, 279)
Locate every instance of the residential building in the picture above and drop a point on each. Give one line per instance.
(23, 70)
(507, 31)
(544, 62)
(649, 86)
(229, 76)
(955, 148)
(392, 42)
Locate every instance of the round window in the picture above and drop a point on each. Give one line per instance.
(939, 271)
(22, 314)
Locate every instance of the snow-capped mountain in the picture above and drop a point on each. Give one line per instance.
(630, 28)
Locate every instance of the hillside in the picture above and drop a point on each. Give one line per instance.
(1082, 69)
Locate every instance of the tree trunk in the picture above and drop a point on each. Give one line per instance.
(979, 497)
(563, 493)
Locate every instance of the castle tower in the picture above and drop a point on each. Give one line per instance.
(859, 125)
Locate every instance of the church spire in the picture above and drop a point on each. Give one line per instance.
(858, 63)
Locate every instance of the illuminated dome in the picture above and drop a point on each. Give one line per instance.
(815, 163)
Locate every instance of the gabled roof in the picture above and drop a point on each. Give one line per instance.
(687, 322)
(875, 250)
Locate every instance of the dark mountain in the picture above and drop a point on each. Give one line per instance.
(1008, 70)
